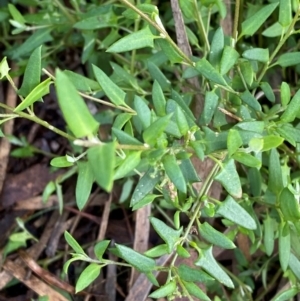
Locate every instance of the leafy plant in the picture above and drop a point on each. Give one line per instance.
(246, 126)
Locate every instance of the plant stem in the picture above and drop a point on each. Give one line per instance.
(204, 190)
(163, 32)
(39, 121)
(187, 294)
(133, 53)
(236, 22)
(280, 44)
(106, 103)
(65, 11)
(201, 28)
(270, 285)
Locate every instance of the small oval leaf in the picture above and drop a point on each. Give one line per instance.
(75, 111)
(140, 39)
(87, 276)
(230, 179)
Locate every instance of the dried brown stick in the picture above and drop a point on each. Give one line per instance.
(34, 251)
(17, 271)
(184, 45)
(141, 236)
(44, 274)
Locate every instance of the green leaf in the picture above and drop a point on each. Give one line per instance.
(36, 94)
(48, 190)
(131, 161)
(188, 171)
(269, 231)
(81, 82)
(209, 72)
(74, 244)
(254, 126)
(125, 138)
(153, 132)
(169, 51)
(74, 258)
(230, 179)
(173, 171)
(168, 234)
(294, 265)
(293, 108)
(142, 263)
(144, 7)
(214, 140)
(102, 161)
(181, 121)
(289, 205)
(100, 248)
(285, 12)
(112, 91)
(164, 291)
(216, 48)
(121, 74)
(96, 22)
(187, 8)
(182, 252)
(88, 47)
(137, 40)
(271, 141)
(286, 295)
(268, 91)
(195, 290)
(247, 159)
(157, 251)
(143, 111)
(158, 75)
(144, 186)
(210, 105)
(215, 237)
(250, 100)
(192, 37)
(148, 199)
(285, 93)
(183, 104)
(38, 38)
(121, 120)
(228, 60)
(61, 162)
(219, 117)
(198, 147)
(158, 99)
(85, 180)
(75, 111)
(289, 59)
(194, 275)
(16, 15)
(275, 30)
(284, 244)
(87, 276)
(231, 210)
(252, 24)
(289, 133)
(275, 183)
(234, 141)
(209, 264)
(247, 72)
(257, 54)
(4, 68)
(32, 74)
